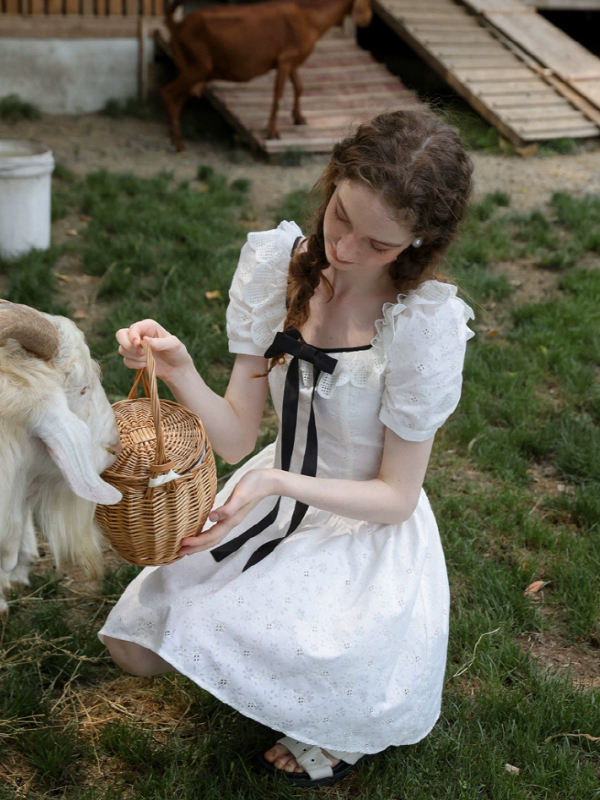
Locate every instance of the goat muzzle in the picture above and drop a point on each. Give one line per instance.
(30, 328)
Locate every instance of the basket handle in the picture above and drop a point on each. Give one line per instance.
(161, 465)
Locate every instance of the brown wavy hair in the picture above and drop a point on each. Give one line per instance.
(418, 166)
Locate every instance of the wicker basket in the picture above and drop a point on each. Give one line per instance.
(146, 527)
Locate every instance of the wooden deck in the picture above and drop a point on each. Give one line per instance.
(526, 100)
(343, 86)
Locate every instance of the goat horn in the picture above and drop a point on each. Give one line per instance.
(30, 328)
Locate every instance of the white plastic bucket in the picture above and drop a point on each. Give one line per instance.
(25, 183)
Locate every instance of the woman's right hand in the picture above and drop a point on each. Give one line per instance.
(170, 354)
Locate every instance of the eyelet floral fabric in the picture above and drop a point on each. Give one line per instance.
(337, 638)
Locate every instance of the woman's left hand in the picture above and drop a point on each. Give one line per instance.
(253, 487)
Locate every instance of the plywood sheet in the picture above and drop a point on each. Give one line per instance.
(551, 46)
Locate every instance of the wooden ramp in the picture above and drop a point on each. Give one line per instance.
(343, 86)
(506, 85)
(566, 58)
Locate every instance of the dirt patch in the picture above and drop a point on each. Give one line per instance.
(580, 663)
(92, 141)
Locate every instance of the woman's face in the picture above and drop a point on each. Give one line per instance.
(360, 230)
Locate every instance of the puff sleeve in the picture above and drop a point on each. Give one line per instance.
(423, 376)
(258, 290)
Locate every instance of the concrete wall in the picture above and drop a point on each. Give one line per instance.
(70, 76)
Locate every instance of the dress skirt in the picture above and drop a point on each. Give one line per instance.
(338, 638)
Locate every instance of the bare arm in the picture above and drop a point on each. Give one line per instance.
(231, 422)
(390, 498)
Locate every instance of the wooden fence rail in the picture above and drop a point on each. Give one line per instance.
(84, 8)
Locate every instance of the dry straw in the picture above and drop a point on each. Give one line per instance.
(157, 437)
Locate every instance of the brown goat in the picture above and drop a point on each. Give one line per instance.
(238, 43)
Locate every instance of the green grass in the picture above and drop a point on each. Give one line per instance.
(530, 399)
(14, 109)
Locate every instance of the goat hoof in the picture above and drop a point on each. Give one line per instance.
(273, 135)
(300, 120)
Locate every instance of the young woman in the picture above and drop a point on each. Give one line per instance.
(316, 599)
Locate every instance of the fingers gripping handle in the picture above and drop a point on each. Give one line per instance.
(161, 465)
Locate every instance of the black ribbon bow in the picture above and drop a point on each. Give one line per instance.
(290, 341)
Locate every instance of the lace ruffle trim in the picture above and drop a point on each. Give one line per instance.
(265, 294)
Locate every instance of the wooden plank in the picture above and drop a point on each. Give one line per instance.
(55, 6)
(506, 6)
(115, 8)
(147, 8)
(524, 114)
(532, 86)
(479, 36)
(450, 14)
(71, 6)
(37, 7)
(87, 8)
(325, 61)
(565, 5)
(567, 132)
(531, 100)
(435, 28)
(12, 6)
(553, 48)
(132, 8)
(334, 68)
(321, 79)
(447, 50)
(241, 101)
(590, 90)
(507, 61)
(549, 125)
(159, 8)
(509, 74)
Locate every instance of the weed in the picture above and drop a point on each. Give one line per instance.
(205, 172)
(241, 185)
(299, 206)
(31, 281)
(291, 158)
(131, 107)
(14, 109)
(563, 147)
(51, 752)
(63, 173)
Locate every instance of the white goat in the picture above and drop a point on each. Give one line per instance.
(57, 434)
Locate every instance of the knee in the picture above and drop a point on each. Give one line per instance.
(127, 655)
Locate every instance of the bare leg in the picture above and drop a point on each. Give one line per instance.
(297, 83)
(135, 659)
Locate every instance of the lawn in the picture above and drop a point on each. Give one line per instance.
(514, 481)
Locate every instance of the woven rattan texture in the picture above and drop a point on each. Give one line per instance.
(146, 527)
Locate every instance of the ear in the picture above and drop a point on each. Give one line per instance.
(362, 13)
(70, 445)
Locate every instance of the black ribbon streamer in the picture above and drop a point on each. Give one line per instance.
(289, 342)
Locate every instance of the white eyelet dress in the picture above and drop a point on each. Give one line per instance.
(337, 636)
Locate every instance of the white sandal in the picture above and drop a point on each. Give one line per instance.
(318, 769)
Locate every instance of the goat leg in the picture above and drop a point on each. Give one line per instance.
(283, 71)
(297, 116)
(174, 96)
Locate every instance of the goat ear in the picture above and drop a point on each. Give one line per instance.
(69, 443)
